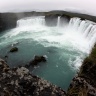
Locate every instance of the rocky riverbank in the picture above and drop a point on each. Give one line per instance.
(19, 82)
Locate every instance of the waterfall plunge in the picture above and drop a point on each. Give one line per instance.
(87, 30)
(81, 34)
(78, 35)
(65, 45)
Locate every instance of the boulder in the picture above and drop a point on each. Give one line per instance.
(36, 60)
(14, 49)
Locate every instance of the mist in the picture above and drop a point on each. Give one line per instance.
(81, 6)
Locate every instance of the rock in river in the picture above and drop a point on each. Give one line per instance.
(37, 59)
(14, 49)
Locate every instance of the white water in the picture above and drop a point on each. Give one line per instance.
(78, 35)
(81, 34)
(65, 46)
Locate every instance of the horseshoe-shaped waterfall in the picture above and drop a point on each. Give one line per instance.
(65, 46)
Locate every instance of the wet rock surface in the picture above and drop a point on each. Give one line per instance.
(19, 82)
(14, 49)
(36, 61)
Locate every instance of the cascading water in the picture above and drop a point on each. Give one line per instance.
(31, 21)
(65, 47)
(87, 29)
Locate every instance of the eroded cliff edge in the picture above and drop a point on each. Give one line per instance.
(19, 82)
(84, 84)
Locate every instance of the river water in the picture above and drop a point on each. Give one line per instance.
(65, 47)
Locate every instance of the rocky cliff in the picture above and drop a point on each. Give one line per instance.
(84, 84)
(19, 82)
(7, 21)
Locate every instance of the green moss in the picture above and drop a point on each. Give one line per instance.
(93, 53)
(88, 63)
(73, 91)
(77, 91)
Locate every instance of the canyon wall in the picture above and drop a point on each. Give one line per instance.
(8, 20)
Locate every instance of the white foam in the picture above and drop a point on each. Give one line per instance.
(78, 35)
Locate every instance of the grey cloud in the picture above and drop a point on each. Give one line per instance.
(87, 6)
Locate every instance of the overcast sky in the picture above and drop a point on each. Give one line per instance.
(84, 6)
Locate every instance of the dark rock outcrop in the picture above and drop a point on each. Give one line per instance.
(85, 83)
(7, 21)
(36, 60)
(14, 49)
(51, 19)
(19, 82)
(64, 19)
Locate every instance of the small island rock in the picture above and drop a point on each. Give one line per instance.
(14, 49)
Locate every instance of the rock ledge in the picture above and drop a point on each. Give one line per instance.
(19, 82)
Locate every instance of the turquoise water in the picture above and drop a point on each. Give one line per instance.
(65, 51)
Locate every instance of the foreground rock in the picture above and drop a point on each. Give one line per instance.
(7, 21)
(19, 82)
(85, 83)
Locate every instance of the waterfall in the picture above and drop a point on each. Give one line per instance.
(58, 23)
(66, 45)
(86, 28)
(31, 21)
(79, 33)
